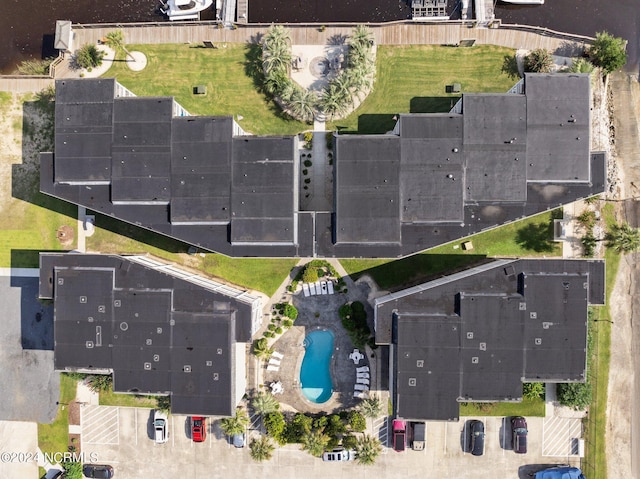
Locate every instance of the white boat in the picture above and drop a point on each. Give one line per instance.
(524, 2)
(185, 9)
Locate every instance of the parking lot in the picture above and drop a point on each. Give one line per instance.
(122, 437)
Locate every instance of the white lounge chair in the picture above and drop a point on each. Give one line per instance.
(362, 375)
(305, 289)
(273, 368)
(323, 286)
(312, 289)
(363, 369)
(277, 355)
(362, 381)
(274, 362)
(360, 395)
(360, 387)
(330, 286)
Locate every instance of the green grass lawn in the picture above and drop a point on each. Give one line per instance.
(109, 398)
(30, 219)
(232, 76)
(526, 238)
(265, 275)
(595, 424)
(54, 437)
(528, 407)
(412, 79)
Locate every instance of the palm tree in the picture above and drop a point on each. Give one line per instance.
(623, 238)
(367, 450)
(264, 403)
(303, 104)
(261, 449)
(361, 35)
(236, 424)
(261, 348)
(581, 65)
(315, 442)
(276, 59)
(115, 40)
(276, 35)
(371, 407)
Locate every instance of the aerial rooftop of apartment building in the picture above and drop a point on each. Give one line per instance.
(479, 334)
(159, 329)
(435, 178)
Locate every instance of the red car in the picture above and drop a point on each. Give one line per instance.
(198, 428)
(399, 435)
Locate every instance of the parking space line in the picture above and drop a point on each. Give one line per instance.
(173, 436)
(135, 415)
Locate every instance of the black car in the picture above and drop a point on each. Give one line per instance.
(519, 434)
(476, 438)
(98, 471)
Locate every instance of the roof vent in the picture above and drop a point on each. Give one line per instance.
(159, 330)
(209, 363)
(186, 368)
(546, 325)
(470, 334)
(522, 306)
(412, 382)
(533, 315)
(90, 319)
(147, 366)
(89, 344)
(156, 358)
(148, 342)
(420, 363)
(60, 281)
(219, 350)
(538, 341)
(102, 309)
(215, 376)
(483, 346)
(124, 326)
(117, 303)
(475, 360)
(83, 299)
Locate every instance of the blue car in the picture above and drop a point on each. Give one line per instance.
(561, 472)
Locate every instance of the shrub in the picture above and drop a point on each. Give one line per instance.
(310, 275)
(89, 56)
(357, 421)
(300, 425)
(287, 323)
(275, 425)
(538, 61)
(35, 67)
(278, 330)
(100, 382)
(608, 52)
(271, 327)
(308, 140)
(307, 163)
(290, 311)
(533, 390)
(589, 244)
(349, 441)
(163, 403)
(587, 218)
(305, 171)
(574, 395)
(268, 334)
(307, 180)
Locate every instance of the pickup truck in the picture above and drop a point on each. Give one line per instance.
(399, 435)
(418, 436)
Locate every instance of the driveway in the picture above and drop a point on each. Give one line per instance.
(30, 386)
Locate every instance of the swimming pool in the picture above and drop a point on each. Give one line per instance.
(315, 373)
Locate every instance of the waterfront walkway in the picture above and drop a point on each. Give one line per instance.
(405, 33)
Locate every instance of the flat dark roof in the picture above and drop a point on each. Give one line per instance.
(158, 333)
(435, 178)
(478, 334)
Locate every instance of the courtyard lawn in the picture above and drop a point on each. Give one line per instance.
(54, 437)
(109, 398)
(30, 220)
(260, 274)
(413, 78)
(528, 407)
(530, 237)
(232, 76)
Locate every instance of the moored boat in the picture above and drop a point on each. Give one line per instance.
(184, 9)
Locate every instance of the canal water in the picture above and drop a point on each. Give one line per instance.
(27, 26)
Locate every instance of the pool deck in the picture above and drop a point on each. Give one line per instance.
(343, 370)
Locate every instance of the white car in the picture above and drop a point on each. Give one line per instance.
(160, 427)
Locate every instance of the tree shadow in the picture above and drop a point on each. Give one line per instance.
(432, 104)
(253, 65)
(537, 237)
(337, 39)
(510, 67)
(570, 49)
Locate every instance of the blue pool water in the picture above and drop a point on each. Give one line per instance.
(315, 373)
